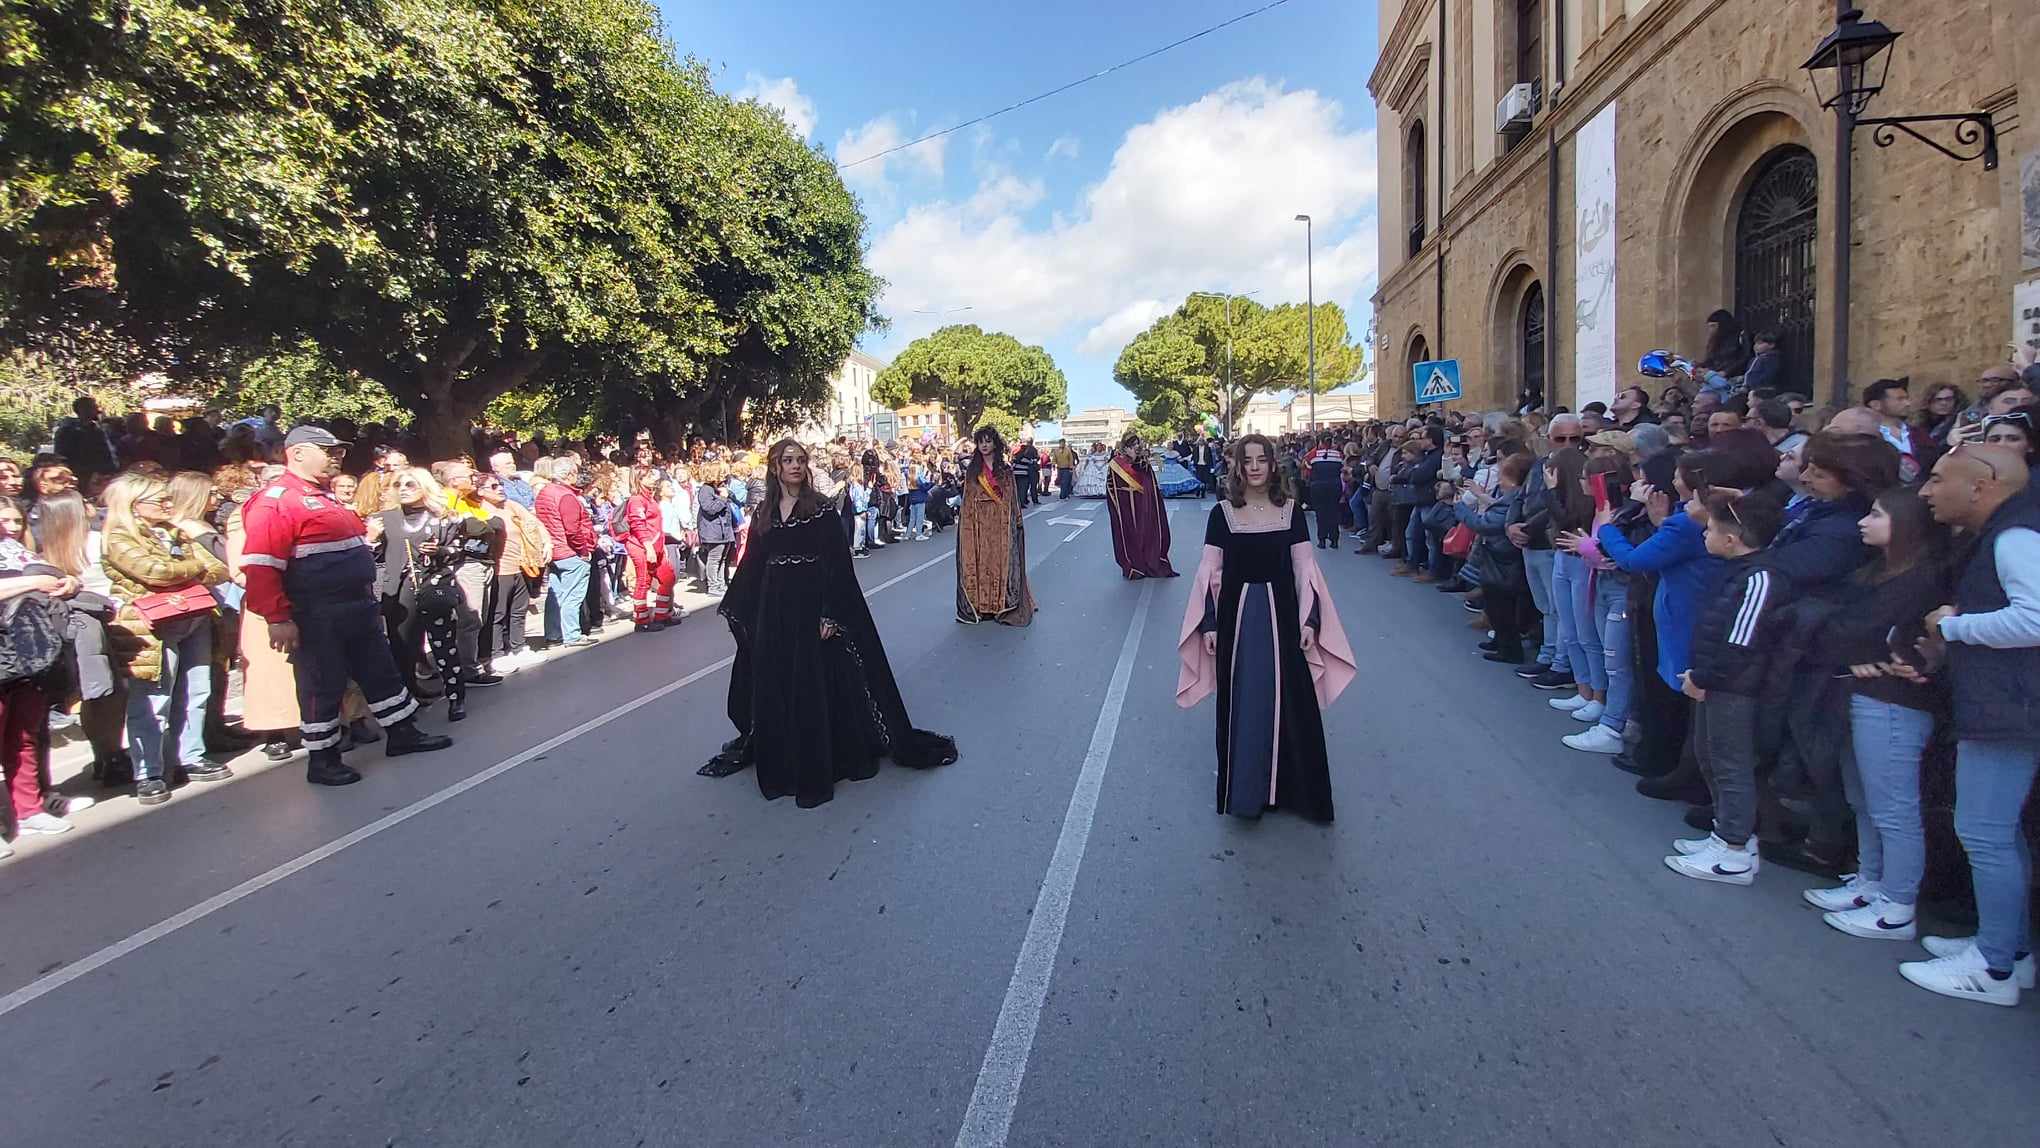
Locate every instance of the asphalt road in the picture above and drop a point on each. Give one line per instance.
(588, 944)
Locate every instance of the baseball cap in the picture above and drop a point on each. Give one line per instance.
(312, 436)
(1621, 440)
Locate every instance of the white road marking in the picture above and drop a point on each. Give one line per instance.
(990, 1115)
(51, 982)
(1081, 525)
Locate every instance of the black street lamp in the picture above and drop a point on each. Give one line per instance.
(1858, 53)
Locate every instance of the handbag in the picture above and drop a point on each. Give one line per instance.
(169, 605)
(1458, 541)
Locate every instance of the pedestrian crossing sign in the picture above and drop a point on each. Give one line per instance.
(1437, 380)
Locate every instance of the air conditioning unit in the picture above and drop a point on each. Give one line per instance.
(1514, 112)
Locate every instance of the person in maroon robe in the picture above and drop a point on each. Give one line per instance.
(1140, 523)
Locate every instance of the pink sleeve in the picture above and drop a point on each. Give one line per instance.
(1198, 675)
(1330, 658)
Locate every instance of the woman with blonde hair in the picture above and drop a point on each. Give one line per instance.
(162, 568)
(422, 545)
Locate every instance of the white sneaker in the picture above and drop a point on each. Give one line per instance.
(1691, 845)
(1592, 711)
(1597, 738)
(1963, 976)
(1717, 861)
(77, 804)
(1880, 920)
(1852, 893)
(6, 850)
(40, 822)
(1569, 703)
(2022, 970)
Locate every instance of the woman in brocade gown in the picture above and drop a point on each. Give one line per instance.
(1092, 471)
(811, 692)
(1261, 631)
(991, 542)
(1140, 523)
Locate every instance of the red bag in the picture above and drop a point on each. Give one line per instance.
(1459, 541)
(170, 605)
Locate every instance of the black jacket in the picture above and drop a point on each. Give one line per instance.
(1738, 626)
(1419, 483)
(1875, 621)
(1821, 545)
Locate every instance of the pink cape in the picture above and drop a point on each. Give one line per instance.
(1330, 658)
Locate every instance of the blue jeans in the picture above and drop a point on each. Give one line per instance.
(868, 528)
(1415, 553)
(566, 583)
(166, 717)
(1358, 505)
(1611, 622)
(1537, 566)
(917, 517)
(1992, 780)
(1576, 635)
(1881, 776)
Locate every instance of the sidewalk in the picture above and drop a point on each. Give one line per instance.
(71, 756)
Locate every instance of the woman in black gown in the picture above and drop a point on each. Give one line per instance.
(1261, 631)
(811, 693)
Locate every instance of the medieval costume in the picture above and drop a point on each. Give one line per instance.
(991, 553)
(1091, 474)
(1257, 589)
(811, 711)
(1140, 523)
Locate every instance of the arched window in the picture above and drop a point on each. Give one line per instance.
(1776, 234)
(1420, 352)
(1415, 159)
(1532, 327)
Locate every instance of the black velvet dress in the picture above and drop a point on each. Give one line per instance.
(1270, 728)
(811, 712)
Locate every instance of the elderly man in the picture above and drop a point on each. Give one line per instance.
(1991, 639)
(503, 465)
(1553, 669)
(1853, 420)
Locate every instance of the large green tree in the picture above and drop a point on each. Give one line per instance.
(454, 198)
(970, 371)
(1177, 369)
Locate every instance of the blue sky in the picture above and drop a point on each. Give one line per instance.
(1075, 221)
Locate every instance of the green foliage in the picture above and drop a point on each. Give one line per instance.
(454, 198)
(306, 384)
(37, 389)
(971, 372)
(1151, 433)
(537, 412)
(1177, 368)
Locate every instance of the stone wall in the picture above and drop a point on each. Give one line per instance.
(1705, 89)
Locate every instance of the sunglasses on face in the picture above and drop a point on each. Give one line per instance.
(1558, 438)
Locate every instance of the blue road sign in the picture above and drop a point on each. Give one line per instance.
(1436, 381)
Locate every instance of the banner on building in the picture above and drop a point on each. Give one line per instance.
(1594, 243)
(2026, 314)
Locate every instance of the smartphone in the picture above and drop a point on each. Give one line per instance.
(1598, 483)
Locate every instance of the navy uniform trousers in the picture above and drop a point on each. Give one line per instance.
(340, 637)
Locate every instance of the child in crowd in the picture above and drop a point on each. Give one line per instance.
(1726, 681)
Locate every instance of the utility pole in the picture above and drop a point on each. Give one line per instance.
(1310, 318)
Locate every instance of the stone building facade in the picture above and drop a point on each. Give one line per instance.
(1721, 192)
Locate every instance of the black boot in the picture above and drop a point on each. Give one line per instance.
(456, 709)
(325, 768)
(405, 737)
(734, 758)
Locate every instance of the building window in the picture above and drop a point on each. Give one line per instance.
(1532, 395)
(1420, 352)
(1776, 241)
(1415, 159)
(1529, 41)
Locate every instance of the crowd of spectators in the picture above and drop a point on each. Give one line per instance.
(121, 572)
(1776, 614)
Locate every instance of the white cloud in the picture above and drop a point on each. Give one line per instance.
(1064, 147)
(1200, 197)
(1119, 328)
(784, 94)
(879, 135)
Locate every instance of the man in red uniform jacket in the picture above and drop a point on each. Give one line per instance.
(311, 576)
(644, 540)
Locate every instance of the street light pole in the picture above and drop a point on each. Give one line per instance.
(1310, 318)
(1845, 170)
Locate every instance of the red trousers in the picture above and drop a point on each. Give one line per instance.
(24, 733)
(653, 576)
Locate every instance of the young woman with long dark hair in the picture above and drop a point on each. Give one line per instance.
(1891, 717)
(1260, 630)
(811, 692)
(991, 542)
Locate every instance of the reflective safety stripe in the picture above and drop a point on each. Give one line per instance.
(399, 714)
(395, 699)
(327, 741)
(319, 727)
(263, 560)
(306, 549)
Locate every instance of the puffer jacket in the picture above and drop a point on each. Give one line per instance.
(146, 563)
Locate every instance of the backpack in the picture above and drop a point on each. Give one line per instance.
(32, 634)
